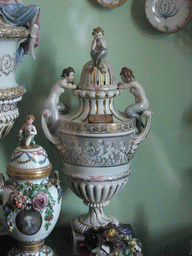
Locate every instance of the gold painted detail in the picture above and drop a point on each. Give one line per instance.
(8, 31)
(11, 93)
(101, 118)
(99, 128)
(30, 246)
(29, 174)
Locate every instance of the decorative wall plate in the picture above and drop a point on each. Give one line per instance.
(111, 3)
(168, 16)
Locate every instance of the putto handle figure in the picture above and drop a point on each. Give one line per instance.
(52, 102)
(141, 101)
(16, 14)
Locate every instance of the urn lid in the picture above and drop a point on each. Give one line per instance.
(97, 78)
(28, 160)
(98, 74)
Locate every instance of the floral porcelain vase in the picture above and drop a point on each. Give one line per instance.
(30, 200)
(96, 141)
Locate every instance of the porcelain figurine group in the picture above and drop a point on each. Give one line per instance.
(98, 53)
(96, 141)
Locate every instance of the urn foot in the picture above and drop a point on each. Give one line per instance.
(94, 218)
(43, 251)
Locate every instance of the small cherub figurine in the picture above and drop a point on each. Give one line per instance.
(27, 132)
(98, 47)
(141, 101)
(52, 103)
(16, 14)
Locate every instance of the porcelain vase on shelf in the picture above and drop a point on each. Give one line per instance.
(30, 201)
(96, 141)
(10, 91)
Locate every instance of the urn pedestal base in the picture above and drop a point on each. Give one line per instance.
(94, 218)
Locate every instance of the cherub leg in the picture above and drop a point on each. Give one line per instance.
(33, 31)
(134, 111)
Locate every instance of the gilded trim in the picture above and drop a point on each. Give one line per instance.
(31, 174)
(11, 93)
(8, 31)
(68, 126)
(30, 246)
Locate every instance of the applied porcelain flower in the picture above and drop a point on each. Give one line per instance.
(39, 201)
(17, 200)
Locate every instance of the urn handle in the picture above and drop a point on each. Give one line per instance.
(52, 138)
(142, 135)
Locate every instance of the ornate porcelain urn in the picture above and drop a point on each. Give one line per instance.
(10, 91)
(17, 22)
(96, 141)
(30, 201)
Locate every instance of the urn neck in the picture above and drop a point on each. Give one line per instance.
(97, 103)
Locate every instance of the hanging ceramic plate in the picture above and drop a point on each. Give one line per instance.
(168, 15)
(111, 3)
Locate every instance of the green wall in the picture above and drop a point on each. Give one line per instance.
(157, 200)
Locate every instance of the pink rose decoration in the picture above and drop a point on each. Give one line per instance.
(39, 201)
(17, 200)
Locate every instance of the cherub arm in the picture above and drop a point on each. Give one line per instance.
(34, 130)
(123, 85)
(22, 129)
(93, 44)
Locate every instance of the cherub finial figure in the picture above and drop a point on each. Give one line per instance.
(141, 101)
(98, 47)
(16, 14)
(27, 132)
(52, 102)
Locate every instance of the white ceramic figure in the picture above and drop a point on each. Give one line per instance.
(30, 201)
(98, 47)
(28, 132)
(97, 143)
(52, 103)
(141, 101)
